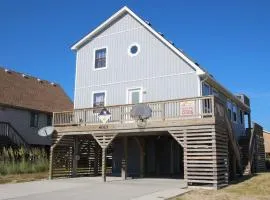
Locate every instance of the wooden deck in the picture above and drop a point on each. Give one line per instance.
(197, 124)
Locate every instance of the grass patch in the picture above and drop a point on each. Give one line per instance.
(256, 187)
(23, 161)
(18, 178)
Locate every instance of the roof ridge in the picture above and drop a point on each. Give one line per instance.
(29, 76)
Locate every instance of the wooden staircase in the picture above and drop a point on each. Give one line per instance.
(234, 144)
(244, 144)
(10, 137)
(252, 150)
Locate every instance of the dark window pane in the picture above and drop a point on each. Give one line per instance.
(34, 119)
(229, 113)
(49, 120)
(99, 99)
(241, 116)
(100, 58)
(234, 116)
(134, 49)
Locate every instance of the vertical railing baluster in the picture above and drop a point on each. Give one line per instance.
(163, 111)
(84, 111)
(213, 105)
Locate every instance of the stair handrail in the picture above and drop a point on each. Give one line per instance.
(235, 144)
(251, 147)
(233, 139)
(13, 134)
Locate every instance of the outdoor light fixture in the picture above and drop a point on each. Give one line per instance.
(104, 115)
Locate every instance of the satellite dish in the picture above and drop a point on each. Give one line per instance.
(141, 112)
(45, 131)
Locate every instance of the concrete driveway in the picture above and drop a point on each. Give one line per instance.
(94, 188)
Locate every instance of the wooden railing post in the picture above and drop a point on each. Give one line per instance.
(85, 117)
(121, 114)
(51, 164)
(104, 164)
(53, 119)
(213, 105)
(163, 114)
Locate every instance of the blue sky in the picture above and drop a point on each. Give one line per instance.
(231, 39)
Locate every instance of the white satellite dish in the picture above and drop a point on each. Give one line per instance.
(45, 131)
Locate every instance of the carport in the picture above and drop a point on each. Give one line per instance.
(154, 154)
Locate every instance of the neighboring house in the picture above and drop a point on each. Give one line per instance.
(123, 62)
(27, 104)
(266, 137)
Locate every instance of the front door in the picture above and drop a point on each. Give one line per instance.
(134, 96)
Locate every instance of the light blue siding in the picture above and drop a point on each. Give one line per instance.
(159, 71)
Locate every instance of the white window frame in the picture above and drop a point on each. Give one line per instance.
(134, 88)
(94, 58)
(99, 91)
(129, 48)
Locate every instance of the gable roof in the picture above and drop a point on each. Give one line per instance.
(27, 92)
(199, 70)
(120, 13)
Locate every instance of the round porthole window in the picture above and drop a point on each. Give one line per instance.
(133, 49)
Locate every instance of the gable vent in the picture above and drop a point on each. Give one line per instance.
(147, 22)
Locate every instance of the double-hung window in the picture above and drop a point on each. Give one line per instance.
(98, 100)
(100, 58)
(34, 119)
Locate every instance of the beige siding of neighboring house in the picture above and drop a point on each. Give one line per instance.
(266, 137)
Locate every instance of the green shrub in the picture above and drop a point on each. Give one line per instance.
(20, 161)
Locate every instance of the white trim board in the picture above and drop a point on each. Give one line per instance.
(135, 80)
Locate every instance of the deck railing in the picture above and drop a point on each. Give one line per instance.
(182, 109)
